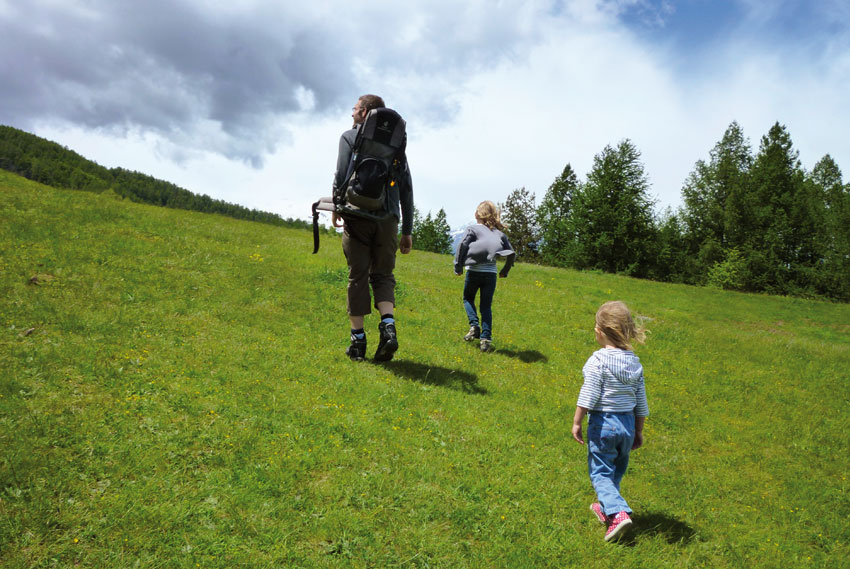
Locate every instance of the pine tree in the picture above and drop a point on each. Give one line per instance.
(716, 200)
(612, 215)
(420, 232)
(781, 244)
(520, 218)
(834, 234)
(442, 234)
(553, 219)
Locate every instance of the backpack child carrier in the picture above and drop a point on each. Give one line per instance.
(372, 172)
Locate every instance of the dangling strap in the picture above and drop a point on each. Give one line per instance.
(315, 228)
(324, 204)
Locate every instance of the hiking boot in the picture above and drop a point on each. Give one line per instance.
(486, 345)
(473, 334)
(388, 344)
(619, 524)
(357, 350)
(596, 508)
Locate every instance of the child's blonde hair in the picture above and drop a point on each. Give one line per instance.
(488, 214)
(615, 321)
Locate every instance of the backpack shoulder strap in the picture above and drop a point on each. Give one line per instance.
(355, 148)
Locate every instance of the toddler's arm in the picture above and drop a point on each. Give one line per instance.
(577, 419)
(639, 421)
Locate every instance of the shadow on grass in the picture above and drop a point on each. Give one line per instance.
(525, 356)
(435, 375)
(670, 529)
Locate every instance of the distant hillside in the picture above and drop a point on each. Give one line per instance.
(54, 165)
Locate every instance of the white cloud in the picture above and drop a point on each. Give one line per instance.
(247, 101)
(520, 124)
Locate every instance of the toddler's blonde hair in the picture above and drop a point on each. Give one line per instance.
(488, 214)
(615, 321)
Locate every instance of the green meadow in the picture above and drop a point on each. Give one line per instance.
(174, 393)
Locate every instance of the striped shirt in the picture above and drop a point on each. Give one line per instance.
(613, 383)
(485, 267)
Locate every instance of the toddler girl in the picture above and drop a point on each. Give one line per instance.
(613, 395)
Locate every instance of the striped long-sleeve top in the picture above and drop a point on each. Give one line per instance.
(613, 383)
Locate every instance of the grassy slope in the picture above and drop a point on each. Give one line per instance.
(173, 393)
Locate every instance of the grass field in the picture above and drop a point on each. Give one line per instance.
(174, 394)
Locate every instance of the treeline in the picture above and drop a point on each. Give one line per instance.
(750, 222)
(756, 222)
(54, 165)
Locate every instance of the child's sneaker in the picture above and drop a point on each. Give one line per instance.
(473, 334)
(486, 345)
(596, 508)
(619, 524)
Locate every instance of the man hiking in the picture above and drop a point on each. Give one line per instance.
(370, 242)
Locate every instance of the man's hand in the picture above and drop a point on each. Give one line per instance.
(406, 244)
(336, 219)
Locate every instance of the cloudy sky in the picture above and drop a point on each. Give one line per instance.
(244, 100)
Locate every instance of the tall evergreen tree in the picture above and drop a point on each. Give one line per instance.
(443, 234)
(421, 230)
(553, 218)
(834, 234)
(520, 218)
(612, 215)
(716, 201)
(781, 243)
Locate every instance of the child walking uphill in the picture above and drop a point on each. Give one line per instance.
(478, 249)
(614, 398)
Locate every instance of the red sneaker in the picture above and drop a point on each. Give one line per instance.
(596, 508)
(619, 524)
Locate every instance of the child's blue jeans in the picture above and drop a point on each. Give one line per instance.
(609, 441)
(486, 283)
